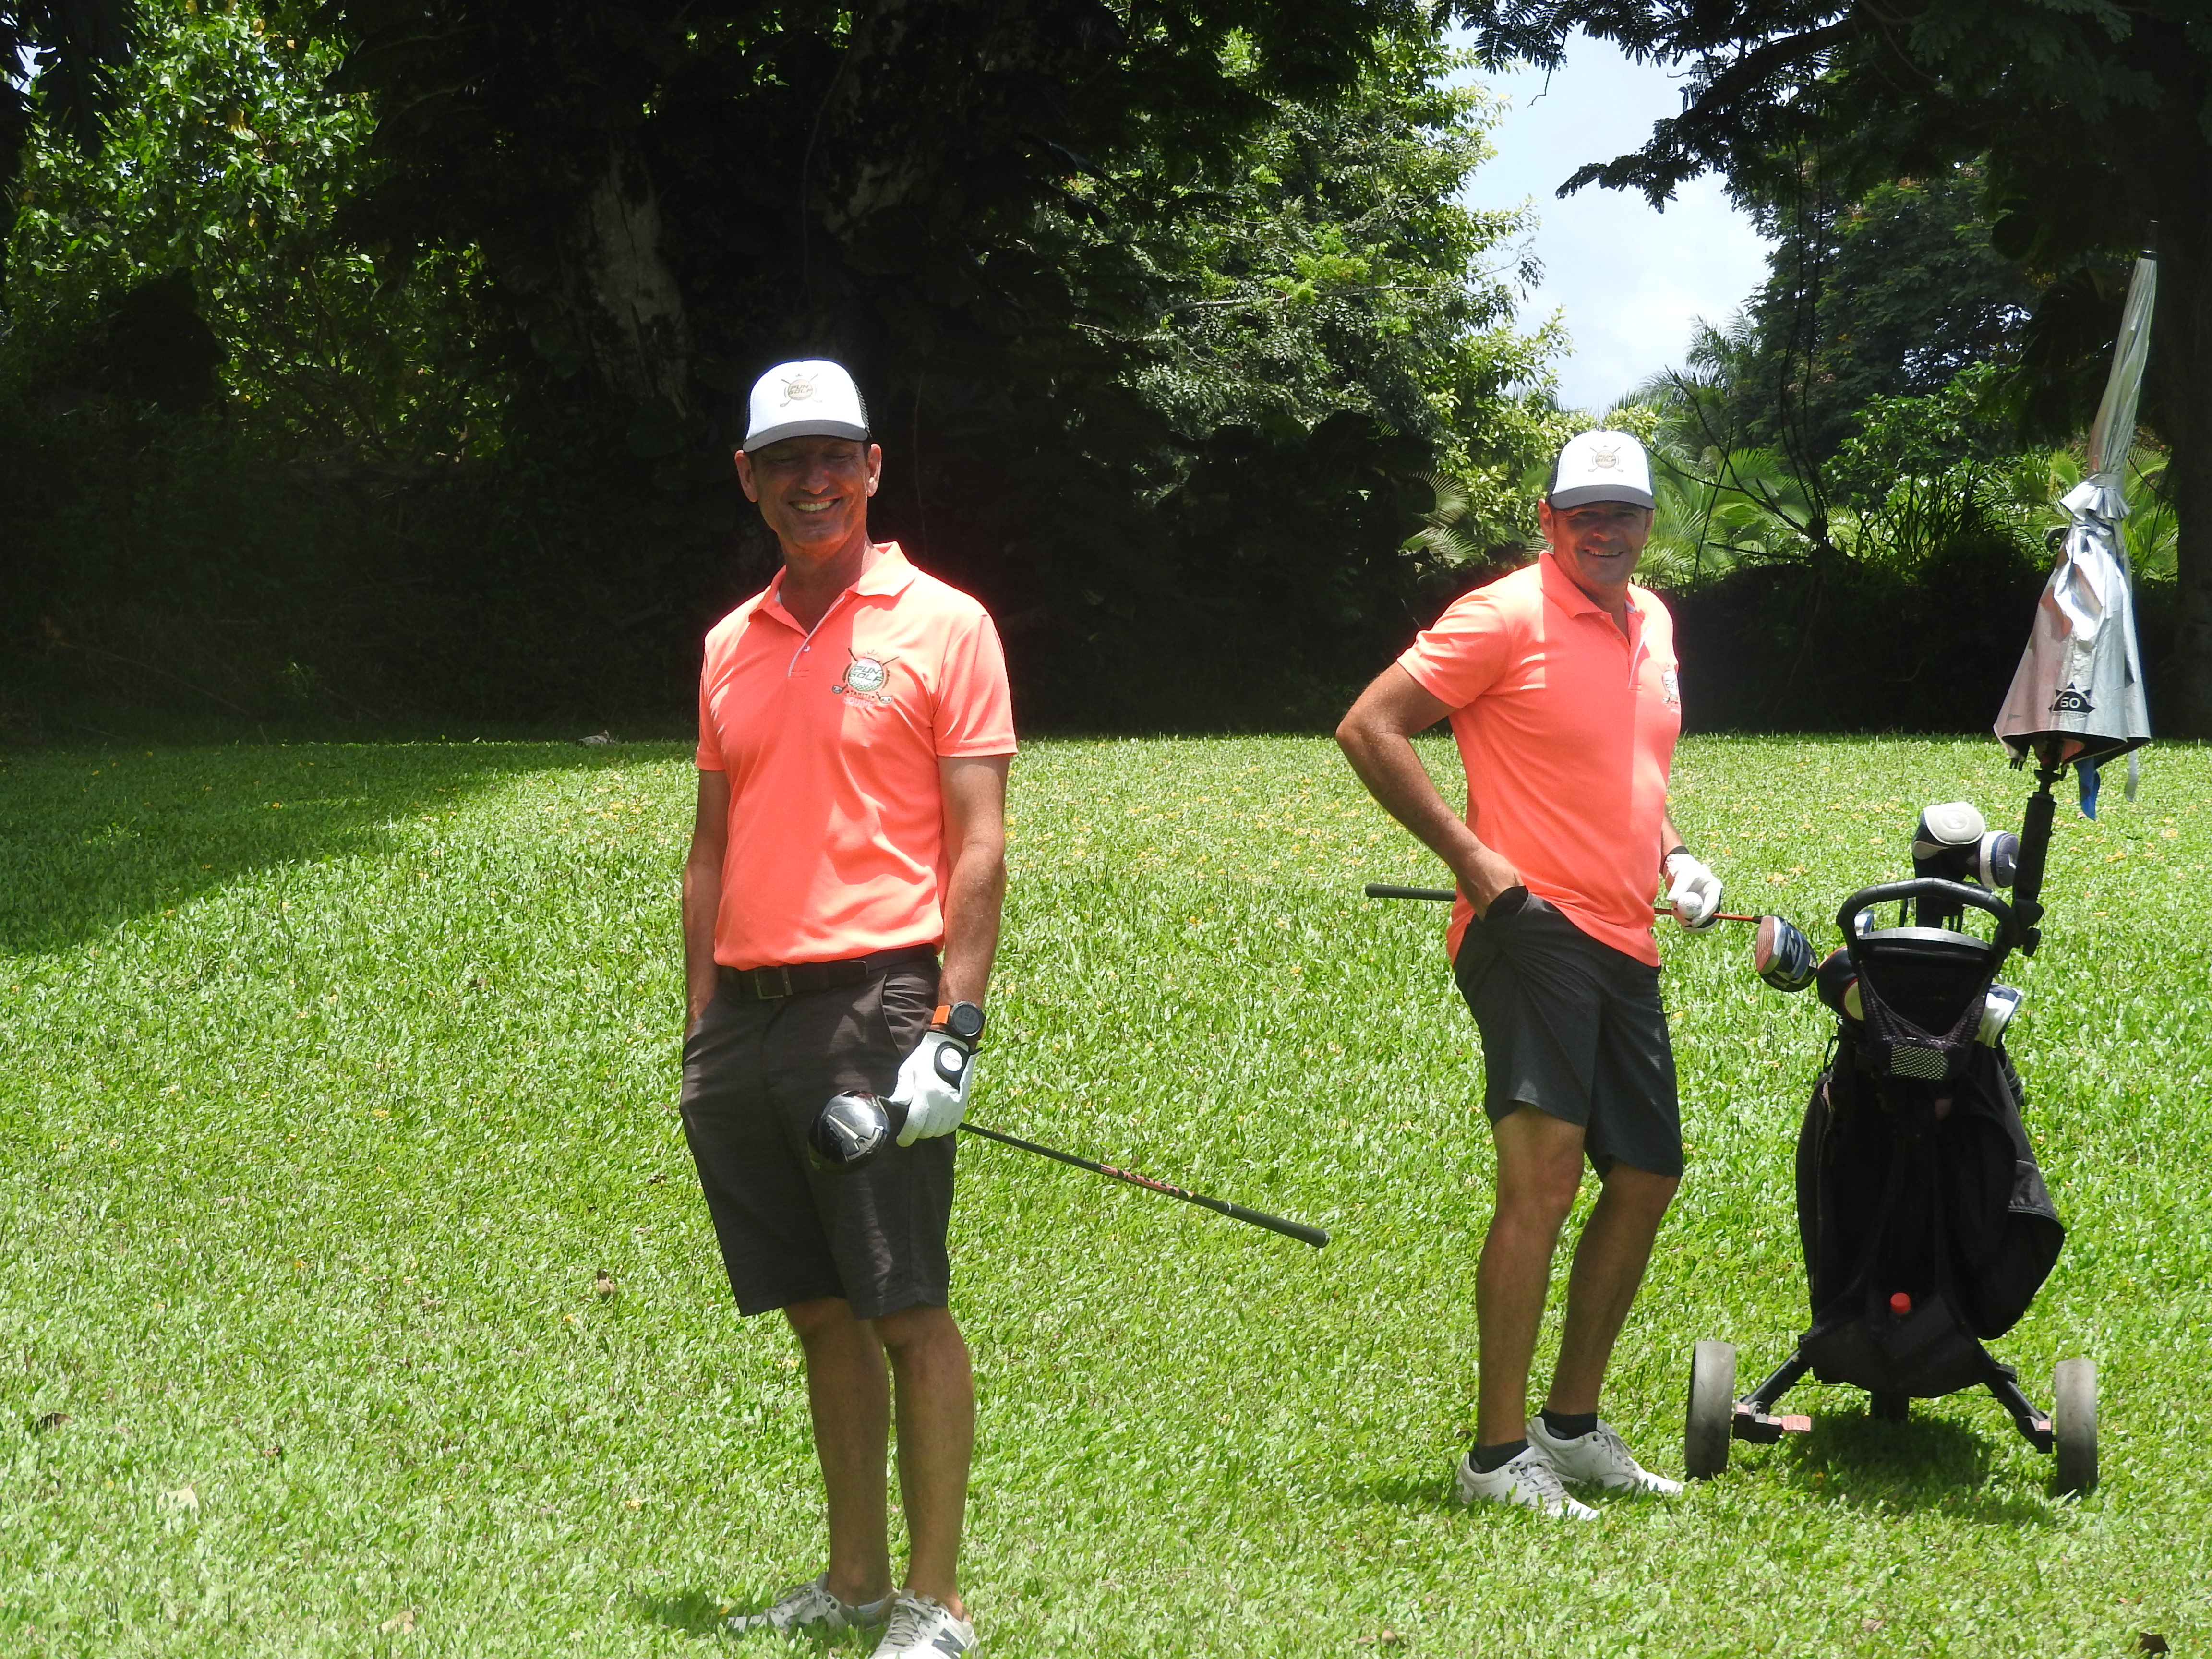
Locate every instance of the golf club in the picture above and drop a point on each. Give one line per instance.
(1446, 895)
(852, 1128)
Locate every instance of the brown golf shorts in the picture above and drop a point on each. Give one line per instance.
(755, 1073)
(1574, 1028)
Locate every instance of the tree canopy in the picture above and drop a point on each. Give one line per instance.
(1162, 335)
(58, 59)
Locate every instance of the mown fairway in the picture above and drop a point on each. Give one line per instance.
(333, 1078)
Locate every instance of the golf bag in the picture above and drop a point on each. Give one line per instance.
(1925, 1221)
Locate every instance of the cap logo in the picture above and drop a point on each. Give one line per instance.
(798, 390)
(1605, 459)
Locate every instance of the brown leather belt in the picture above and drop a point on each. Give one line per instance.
(766, 984)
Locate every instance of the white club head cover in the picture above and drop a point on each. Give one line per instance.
(1695, 891)
(932, 1087)
(1952, 823)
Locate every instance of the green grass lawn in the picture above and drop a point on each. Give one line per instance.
(332, 1079)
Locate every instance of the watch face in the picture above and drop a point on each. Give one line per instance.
(965, 1021)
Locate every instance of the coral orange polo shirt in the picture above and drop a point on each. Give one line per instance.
(831, 740)
(1566, 727)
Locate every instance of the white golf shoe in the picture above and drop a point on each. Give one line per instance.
(811, 1606)
(1597, 1458)
(923, 1627)
(1526, 1479)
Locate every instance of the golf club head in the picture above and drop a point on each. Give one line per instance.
(2002, 1003)
(852, 1130)
(1782, 955)
(1839, 985)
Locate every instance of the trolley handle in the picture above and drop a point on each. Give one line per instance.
(1957, 892)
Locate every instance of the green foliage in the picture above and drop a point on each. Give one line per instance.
(334, 1076)
(1332, 266)
(1889, 293)
(1161, 338)
(1891, 589)
(2086, 122)
(58, 59)
(195, 253)
(1844, 416)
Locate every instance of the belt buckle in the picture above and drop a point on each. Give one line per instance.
(761, 980)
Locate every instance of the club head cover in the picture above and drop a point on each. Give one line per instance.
(1952, 823)
(1997, 858)
(1839, 982)
(852, 1130)
(1997, 1010)
(1953, 842)
(1781, 956)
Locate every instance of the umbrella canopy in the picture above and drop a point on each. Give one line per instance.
(2078, 693)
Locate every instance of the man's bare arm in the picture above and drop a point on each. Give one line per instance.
(975, 791)
(1376, 737)
(1669, 839)
(702, 893)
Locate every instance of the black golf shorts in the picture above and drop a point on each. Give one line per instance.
(1574, 1028)
(755, 1073)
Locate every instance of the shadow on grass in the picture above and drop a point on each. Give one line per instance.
(696, 1612)
(1404, 1492)
(1923, 1464)
(92, 838)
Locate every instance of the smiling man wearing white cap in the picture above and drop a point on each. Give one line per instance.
(854, 735)
(1559, 683)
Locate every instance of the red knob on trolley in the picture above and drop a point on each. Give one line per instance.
(1899, 1304)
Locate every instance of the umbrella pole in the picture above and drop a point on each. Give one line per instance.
(2035, 848)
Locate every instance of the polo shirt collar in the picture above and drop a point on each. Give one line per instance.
(889, 573)
(1561, 589)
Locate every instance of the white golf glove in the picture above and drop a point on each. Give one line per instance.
(1695, 892)
(932, 1087)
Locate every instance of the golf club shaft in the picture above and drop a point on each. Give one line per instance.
(1273, 1223)
(1445, 895)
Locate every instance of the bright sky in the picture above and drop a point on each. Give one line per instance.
(1629, 282)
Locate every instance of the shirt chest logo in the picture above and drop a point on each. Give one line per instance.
(865, 678)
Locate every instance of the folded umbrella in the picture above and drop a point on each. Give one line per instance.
(2078, 693)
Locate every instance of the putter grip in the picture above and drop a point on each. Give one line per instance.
(1386, 890)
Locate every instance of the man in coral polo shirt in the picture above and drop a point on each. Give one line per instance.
(854, 734)
(1560, 684)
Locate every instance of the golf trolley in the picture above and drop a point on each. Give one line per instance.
(1925, 1223)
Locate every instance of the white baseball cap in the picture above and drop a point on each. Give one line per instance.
(811, 399)
(1601, 466)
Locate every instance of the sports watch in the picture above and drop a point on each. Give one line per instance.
(961, 1019)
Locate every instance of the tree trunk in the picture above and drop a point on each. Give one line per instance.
(2181, 359)
(629, 307)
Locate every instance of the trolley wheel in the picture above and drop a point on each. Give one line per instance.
(1711, 1418)
(2074, 1425)
(1889, 1407)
